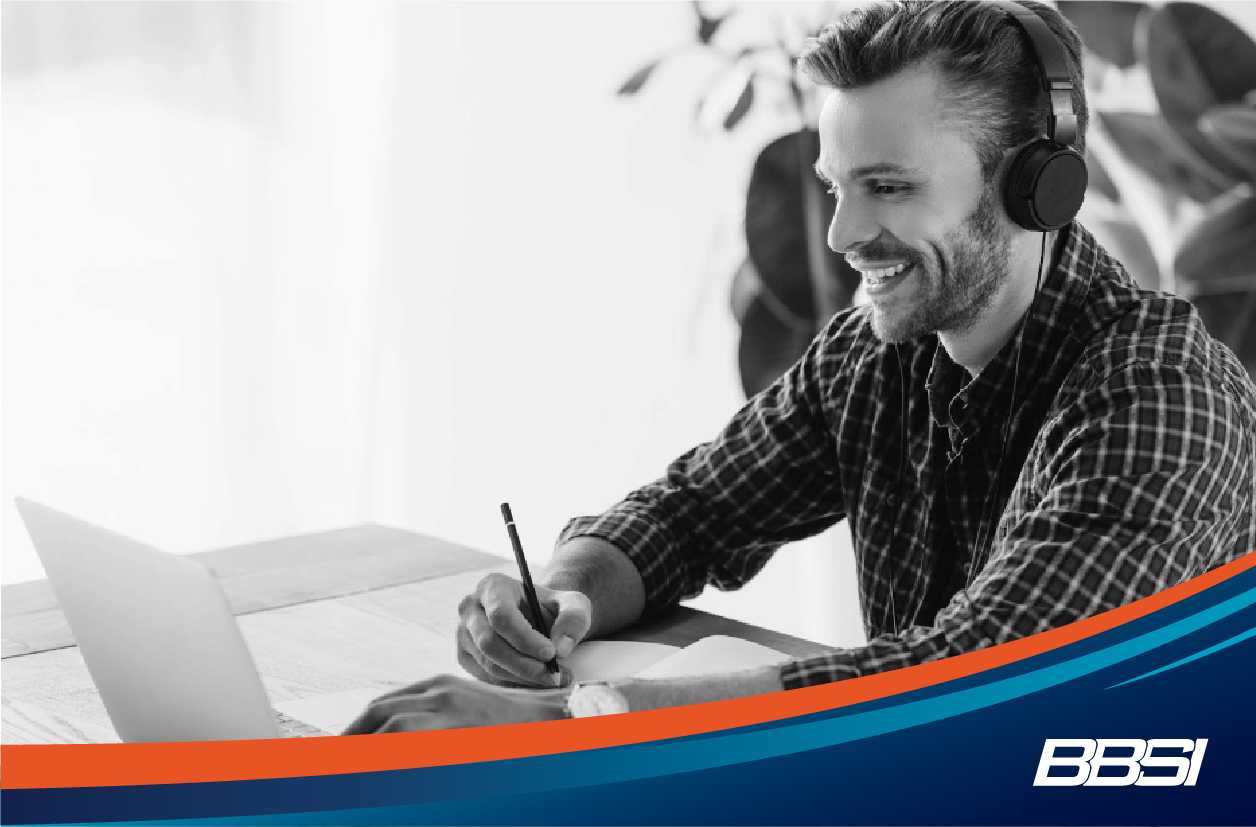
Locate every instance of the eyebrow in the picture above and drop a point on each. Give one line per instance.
(874, 169)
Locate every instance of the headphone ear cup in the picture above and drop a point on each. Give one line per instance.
(1045, 186)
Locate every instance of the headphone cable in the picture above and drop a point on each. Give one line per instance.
(985, 536)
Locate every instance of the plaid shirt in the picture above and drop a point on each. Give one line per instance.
(1130, 466)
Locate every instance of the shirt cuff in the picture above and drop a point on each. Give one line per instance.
(649, 546)
(813, 671)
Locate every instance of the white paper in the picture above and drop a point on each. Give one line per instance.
(594, 660)
(608, 660)
(714, 655)
(332, 713)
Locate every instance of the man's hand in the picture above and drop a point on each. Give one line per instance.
(497, 644)
(452, 703)
(447, 702)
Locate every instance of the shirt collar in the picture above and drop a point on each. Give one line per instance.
(957, 401)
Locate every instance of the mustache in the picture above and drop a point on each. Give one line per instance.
(880, 251)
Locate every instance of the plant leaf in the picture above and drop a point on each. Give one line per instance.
(1221, 248)
(776, 233)
(638, 79)
(1099, 181)
(1196, 59)
(1154, 147)
(746, 288)
(708, 26)
(742, 106)
(1107, 28)
(767, 347)
(1232, 129)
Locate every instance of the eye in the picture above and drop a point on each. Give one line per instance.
(888, 189)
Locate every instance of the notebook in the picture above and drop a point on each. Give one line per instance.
(608, 660)
(594, 660)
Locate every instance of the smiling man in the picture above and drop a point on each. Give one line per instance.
(1017, 434)
(917, 217)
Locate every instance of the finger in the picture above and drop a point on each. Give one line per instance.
(371, 718)
(422, 722)
(468, 662)
(364, 724)
(573, 620)
(386, 707)
(368, 722)
(469, 655)
(502, 660)
(479, 666)
(494, 654)
(501, 603)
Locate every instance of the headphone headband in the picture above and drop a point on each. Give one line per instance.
(1052, 70)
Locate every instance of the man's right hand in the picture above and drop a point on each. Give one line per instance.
(497, 644)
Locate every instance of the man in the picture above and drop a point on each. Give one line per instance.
(1019, 436)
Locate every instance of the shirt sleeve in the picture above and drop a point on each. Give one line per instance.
(723, 508)
(1144, 482)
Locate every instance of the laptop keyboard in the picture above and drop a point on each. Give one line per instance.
(292, 728)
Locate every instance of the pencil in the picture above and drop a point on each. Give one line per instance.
(528, 588)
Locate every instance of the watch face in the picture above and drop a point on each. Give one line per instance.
(589, 700)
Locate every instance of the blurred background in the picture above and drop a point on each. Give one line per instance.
(276, 268)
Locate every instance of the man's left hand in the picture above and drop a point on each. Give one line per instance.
(447, 702)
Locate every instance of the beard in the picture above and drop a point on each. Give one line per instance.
(952, 291)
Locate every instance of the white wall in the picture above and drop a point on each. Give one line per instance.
(277, 268)
(273, 269)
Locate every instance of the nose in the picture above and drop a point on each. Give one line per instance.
(851, 226)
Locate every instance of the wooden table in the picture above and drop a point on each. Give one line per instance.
(367, 606)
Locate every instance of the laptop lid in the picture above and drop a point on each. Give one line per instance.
(155, 631)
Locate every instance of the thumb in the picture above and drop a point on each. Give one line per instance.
(573, 618)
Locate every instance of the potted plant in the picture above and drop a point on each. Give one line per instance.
(1172, 156)
(790, 282)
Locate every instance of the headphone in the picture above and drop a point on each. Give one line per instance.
(1046, 181)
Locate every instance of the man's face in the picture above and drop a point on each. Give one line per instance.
(913, 213)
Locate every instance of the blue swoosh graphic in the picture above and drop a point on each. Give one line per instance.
(653, 760)
(659, 759)
(1222, 645)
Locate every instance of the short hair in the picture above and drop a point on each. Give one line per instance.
(986, 60)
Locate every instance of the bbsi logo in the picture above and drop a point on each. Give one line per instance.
(1084, 769)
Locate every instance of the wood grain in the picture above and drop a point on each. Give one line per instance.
(366, 607)
(384, 639)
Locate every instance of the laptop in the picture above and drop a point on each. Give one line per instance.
(157, 635)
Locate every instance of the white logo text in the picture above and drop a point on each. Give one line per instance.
(1085, 767)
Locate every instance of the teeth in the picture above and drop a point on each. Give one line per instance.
(878, 276)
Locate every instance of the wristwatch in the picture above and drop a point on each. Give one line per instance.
(590, 699)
